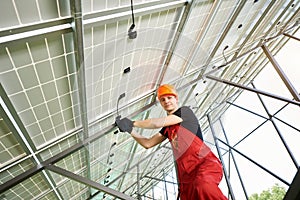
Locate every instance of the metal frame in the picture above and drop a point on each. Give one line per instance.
(234, 161)
(285, 79)
(292, 193)
(253, 90)
(231, 193)
(18, 130)
(232, 149)
(64, 25)
(88, 182)
(76, 147)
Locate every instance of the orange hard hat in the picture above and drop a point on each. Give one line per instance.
(166, 89)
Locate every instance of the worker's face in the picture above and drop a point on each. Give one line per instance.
(169, 103)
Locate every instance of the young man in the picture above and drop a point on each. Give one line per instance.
(199, 170)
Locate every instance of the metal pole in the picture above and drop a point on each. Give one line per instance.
(278, 131)
(138, 182)
(228, 27)
(78, 35)
(257, 24)
(229, 168)
(158, 179)
(18, 130)
(184, 17)
(234, 161)
(88, 182)
(198, 41)
(79, 55)
(152, 191)
(254, 90)
(280, 72)
(166, 189)
(202, 32)
(291, 36)
(256, 163)
(221, 158)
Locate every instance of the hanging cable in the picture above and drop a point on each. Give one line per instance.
(132, 14)
(120, 97)
(226, 62)
(131, 33)
(226, 47)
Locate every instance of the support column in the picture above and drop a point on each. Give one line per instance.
(234, 161)
(15, 125)
(88, 182)
(254, 90)
(291, 36)
(138, 182)
(278, 131)
(220, 156)
(166, 188)
(282, 75)
(78, 34)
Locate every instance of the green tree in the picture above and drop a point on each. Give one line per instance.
(275, 193)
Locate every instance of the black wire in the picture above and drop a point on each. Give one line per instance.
(224, 57)
(132, 12)
(226, 47)
(120, 97)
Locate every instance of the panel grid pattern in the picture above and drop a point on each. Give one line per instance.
(45, 80)
(19, 13)
(42, 78)
(247, 18)
(108, 80)
(10, 148)
(16, 170)
(28, 189)
(203, 54)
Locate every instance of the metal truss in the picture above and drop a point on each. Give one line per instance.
(49, 164)
(64, 25)
(292, 193)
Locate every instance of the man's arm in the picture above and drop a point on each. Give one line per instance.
(153, 123)
(158, 122)
(148, 142)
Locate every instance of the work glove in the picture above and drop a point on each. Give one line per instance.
(124, 125)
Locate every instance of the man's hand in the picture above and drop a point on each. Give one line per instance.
(124, 125)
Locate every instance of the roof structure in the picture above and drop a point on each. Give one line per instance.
(68, 68)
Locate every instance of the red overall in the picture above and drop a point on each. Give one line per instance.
(199, 170)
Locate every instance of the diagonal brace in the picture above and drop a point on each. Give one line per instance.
(88, 182)
(282, 75)
(254, 90)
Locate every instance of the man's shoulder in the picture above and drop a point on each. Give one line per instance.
(183, 111)
(186, 108)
